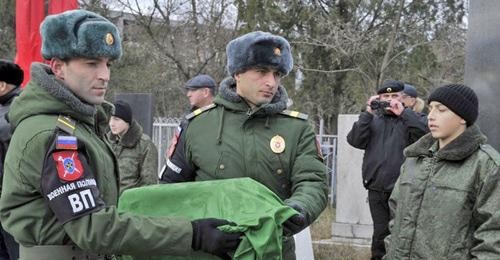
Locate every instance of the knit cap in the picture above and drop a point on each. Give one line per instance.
(123, 111)
(11, 73)
(458, 98)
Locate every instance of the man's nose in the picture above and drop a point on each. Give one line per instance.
(271, 79)
(104, 73)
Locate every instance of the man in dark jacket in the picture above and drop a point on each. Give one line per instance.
(11, 77)
(248, 133)
(383, 131)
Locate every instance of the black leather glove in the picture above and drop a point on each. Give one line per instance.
(296, 223)
(208, 238)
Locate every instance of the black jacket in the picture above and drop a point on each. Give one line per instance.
(5, 129)
(383, 137)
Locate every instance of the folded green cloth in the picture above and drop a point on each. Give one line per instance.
(256, 210)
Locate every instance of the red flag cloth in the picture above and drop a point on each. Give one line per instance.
(59, 6)
(29, 15)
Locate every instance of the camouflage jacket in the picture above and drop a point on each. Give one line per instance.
(447, 201)
(137, 158)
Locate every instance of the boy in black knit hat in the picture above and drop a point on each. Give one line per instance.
(445, 204)
(136, 154)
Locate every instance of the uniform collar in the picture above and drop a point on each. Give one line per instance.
(460, 148)
(230, 99)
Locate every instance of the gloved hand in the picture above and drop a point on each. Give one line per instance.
(208, 238)
(296, 223)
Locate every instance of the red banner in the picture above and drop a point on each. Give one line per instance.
(29, 15)
(59, 6)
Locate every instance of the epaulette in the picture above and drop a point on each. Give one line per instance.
(491, 152)
(199, 111)
(294, 114)
(66, 124)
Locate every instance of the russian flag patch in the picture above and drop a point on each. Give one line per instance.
(66, 143)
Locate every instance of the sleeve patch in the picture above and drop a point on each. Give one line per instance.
(68, 183)
(69, 167)
(66, 142)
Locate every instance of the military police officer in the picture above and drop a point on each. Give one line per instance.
(248, 133)
(60, 186)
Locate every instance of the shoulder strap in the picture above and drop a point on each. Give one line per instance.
(200, 111)
(492, 153)
(295, 114)
(67, 124)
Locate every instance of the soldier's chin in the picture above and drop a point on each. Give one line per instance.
(263, 102)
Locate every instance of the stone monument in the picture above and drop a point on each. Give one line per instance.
(142, 109)
(353, 223)
(482, 64)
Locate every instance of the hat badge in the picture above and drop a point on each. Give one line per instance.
(277, 51)
(389, 90)
(277, 144)
(109, 39)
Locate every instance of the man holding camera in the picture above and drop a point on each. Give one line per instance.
(383, 131)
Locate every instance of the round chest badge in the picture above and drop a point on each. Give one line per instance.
(277, 144)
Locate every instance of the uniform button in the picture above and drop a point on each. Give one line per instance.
(283, 186)
(222, 167)
(279, 171)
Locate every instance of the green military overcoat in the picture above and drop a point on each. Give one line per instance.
(276, 149)
(24, 208)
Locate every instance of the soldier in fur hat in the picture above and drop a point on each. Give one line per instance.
(248, 132)
(60, 186)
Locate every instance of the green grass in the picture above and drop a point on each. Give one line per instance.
(322, 229)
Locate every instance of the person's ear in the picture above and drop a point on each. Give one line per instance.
(462, 121)
(3, 86)
(56, 65)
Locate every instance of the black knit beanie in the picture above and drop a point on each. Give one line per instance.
(460, 99)
(123, 111)
(11, 73)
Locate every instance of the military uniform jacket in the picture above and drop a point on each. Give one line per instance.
(230, 140)
(36, 214)
(137, 157)
(446, 203)
(384, 137)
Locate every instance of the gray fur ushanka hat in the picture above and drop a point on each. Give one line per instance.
(79, 34)
(258, 49)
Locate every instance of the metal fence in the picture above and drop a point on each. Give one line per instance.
(164, 129)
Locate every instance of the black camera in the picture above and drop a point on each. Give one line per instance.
(379, 104)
